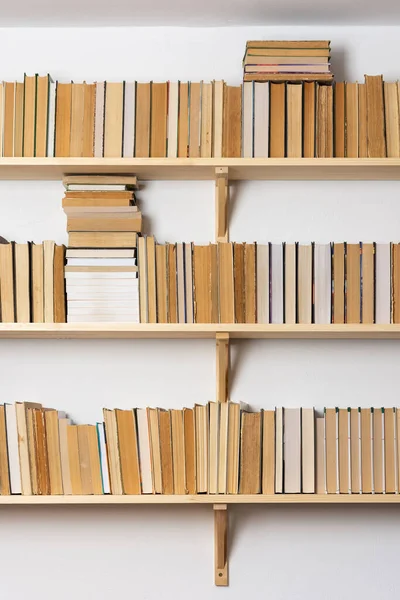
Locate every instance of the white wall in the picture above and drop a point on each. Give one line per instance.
(283, 553)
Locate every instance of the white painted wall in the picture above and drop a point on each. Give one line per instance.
(281, 553)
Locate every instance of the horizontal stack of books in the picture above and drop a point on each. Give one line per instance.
(203, 119)
(32, 286)
(269, 283)
(287, 61)
(218, 448)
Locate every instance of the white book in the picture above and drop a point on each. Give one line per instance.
(93, 275)
(308, 450)
(261, 120)
(99, 121)
(70, 253)
(100, 304)
(96, 187)
(223, 447)
(106, 284)
(143, 433)
(213, 447)
(173, 103)
(382, 284)
(102, 319)
(12, 447)
(262, 283)
(180, 275)
(105, 478)
(75, 293)
(51, 122)
(248, 121)
(322, 283)
(278, 450)
(129, 312)
(292, 450)
(276, 309)
(290, 283)
(101, 262)
(129, 120)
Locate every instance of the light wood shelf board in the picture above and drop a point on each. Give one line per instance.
(194, 331)
(204, 168)
(204, 499)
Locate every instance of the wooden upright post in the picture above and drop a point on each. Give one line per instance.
(221, 204)
(221, 544)
(222, 350)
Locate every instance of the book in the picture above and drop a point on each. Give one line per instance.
(250, 285)
(362, 121)
(213, 447)
(368, 283)
(262, 287)
(105, 479)
(77, 119)
(290, 283)
(248, 130)
(102, 239)
(84, 461)
(158, 126)
(338, 304)
(109, 222)
(304, 283)
(233, 448)
(178, 451)
(23, 445)
(29, 138)
(250, 453)
(320, 474)
(366, 451)
(378, 442)
(94, 459)
(390, 450)
(172, 293)
(307, 450)
(142, 120)
(218, 117)
(391, 102)
(292, 451)
(355, 450)
(128, 451)
(238, 265)
(276, 296)
(201, 417)
(190, 449)
(375, 116)
(9, 118)
(340, 119)
(63, 423)
(222, 451)
(195, 90)
(202, 284)
(22, 283)
(173, 112)
(206, 118)
(155, 450)
(161, 283)
(12, 449)
(48, 279)
(331, 438)
(353, 283)
(232, 122)
(226, 283)
(37, 283)
(7, 283)
(113, 453)
(59, 311)
(143, 436)
(19, 119)
(309, 119)
(74, 462)
(261, 119)
(128, 144)
(268, 452)
(63, 119)
(279, 450)
(53, 452)
(382, 283)
(167, 475)
(89, 103)
(4, 469)
(113, 119)
(183, 121)
(344, 450)
(277, 120)
(322, 283)
(151, 279)
(351, 120)
(189, 298)
(99, 119)
(294, 120)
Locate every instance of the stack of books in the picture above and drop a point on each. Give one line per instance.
(217, 448)
(287, 61)
(32, 286)
(269, 283)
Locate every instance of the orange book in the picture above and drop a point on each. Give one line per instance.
(77, 118)
(340, 120)
(63, 119)
(277, 120)
(232, 123)
(159, 103)
(309, 119)
(142, 137)
(42, 112)
(164, 419)
(239, 282)
(29, 115)
(89, 107)
(194, 119)
(353, 297)
(128, 450)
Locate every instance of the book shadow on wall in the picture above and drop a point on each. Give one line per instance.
(339, 62)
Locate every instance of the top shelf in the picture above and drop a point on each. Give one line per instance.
(191, 169)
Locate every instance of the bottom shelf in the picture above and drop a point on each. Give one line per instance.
(207, 499)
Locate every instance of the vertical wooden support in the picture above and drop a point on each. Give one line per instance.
(221, 544)
(222, 350)
(221, 204)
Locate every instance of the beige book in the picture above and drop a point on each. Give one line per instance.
(351, 120)
(368, 283)
(392, 119)
(294, 124)
(206, 120)
(390, 451)
(320, 478)
(292, 451)
(250, 283)
(113, 120)
(268, 452)
(304, 283)
(167, 473)
(262, 283)
(201, 416)
(48, 254)
(260, 119)
(249, 101)
(377, 443)
(29, 114)
(279, 412)
(37, 283)
(250, 453)
(194, 119)
(308, 450)
(375, 116)
(23, 444)
(142, 120)
(366, 451)
(225, 283)
(155, 450)
(223, 447)
(84, 461)
(362, 122)
(94, 459)
(355, 462)
(143, 438)
(158, 125)
(74, 463)
(32, 449)
(113, 457)
(218, 112)
(188, 249)
(161, 283)
(53, 452)
(338, 283)
(7, 283)
(343, 425)
(331, 450)
(353, 274)
(22, 283)
(213, 408)
(233, 448)
(180, 282)
(173, 107)
(4, 463)
(77, 119)
(309, 119)
(143, 294)
(151, 279)
(183, 120)
(290, 283)
(65, 470)
(190, 449)
(102, 239)
(19, 119)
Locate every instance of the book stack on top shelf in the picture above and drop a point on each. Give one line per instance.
(101, 272)
(287, 61)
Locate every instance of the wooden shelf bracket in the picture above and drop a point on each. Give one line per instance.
(221, 544)
(222, 366)
(221, 204)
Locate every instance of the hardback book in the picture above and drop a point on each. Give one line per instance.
(355, 450)
(268, 452)
(155, 450)
(368, 283)
(378, 444)
(113, 452)
(142, 120)
(262, 266)
(128, 450)
(322, 283)
(106, 222)
(249, 119)
(382, 284)
(84, 461)
(143, 437)
(351, 120)
(344, 450)
(375, 116)
(331, 447)
(390, 450)
(74, 462)
(362, 121)
(353, 283)
(19, 120)
(9, 118)
(366, 450)
(250, 453)
(340, 116)
(202, 273)
(307, 450)
(238, 266)
(232, 122)
(63, 424)
(321, 120)
(223, 447)
(391, 102)
(320, 473)
(183, 121)
(173, 109)
(292, 450)
(290, 282)
(250, 283)
(202, 435)
(338, 314)
(195, 89)
(277, 120)
(158, 126)
(309, 119)
(4, 470)
(22, 283)
(59, 312)
(279, 450)
(276, 297)
(226, 283)
(261, 119)
(294, 120)
(189, 425)
(233, 448)
(53, 451)
(167, 473)
(304, 283)
(178, 451)
(206, 120)
(213, 447)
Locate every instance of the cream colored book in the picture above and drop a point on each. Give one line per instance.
(304, 283)
(48, 269)
(113, 457)
(320, 474)
(218, 112)
(143, 433)
(294, 117)
(248, 123)
(344, 450)
(390, 450)
(213, 408)
(261, 119)
(178, 451)
(366, 451)
(143, 293)
(292, 451)
(378, 450)
(268, 452)
(202, 436)
(155, 450)
(206, 124)
(355, 450)
(290, 283)
(331, 450)
(37, 283)
(233, 448)
(22, 283)
(223, 447)
(63, 423)
(262, 283)
(172, 133)
(308, 450)
(279, 450)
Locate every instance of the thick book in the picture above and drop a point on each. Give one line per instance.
(375, 116)
(23, 445)
(178, 451)
(155, 450)
(223, 430)
(63, 119)
(142, 120)
(77, 117)
(7, 283)
(292, 451)
(338, 305)
(167, 473)
(392, 119)
(194, 119)
(290, 283)
(353, 283)
(158, 126)
(277, 120)
(331, 447)
(294, 120)
(143, 437)
(250, 453)
(9, 118)
(232, 123)
(63, 423)
(261, 119)
(128, 450)
(218, 118)
(202, 284)
(250, 283)
(307, 451)
(233, 448)
(351, 120)
(268, 452)
(322, 283)
(190, 449)
(84, 461)
(304, 283)
(113, 119)
(344, 450)
(53, 452)
(113, 453)
(94, 459)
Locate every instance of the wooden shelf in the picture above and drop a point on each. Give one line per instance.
(207, 499)
(197, 331)
(204, 168)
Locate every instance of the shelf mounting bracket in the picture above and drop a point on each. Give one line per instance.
(221, 544)
(222, 366)
(221, 204)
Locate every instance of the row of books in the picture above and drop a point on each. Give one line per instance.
(32, 285)
(271, 60)
(200, 119)
(269, 283)
(218, 448)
